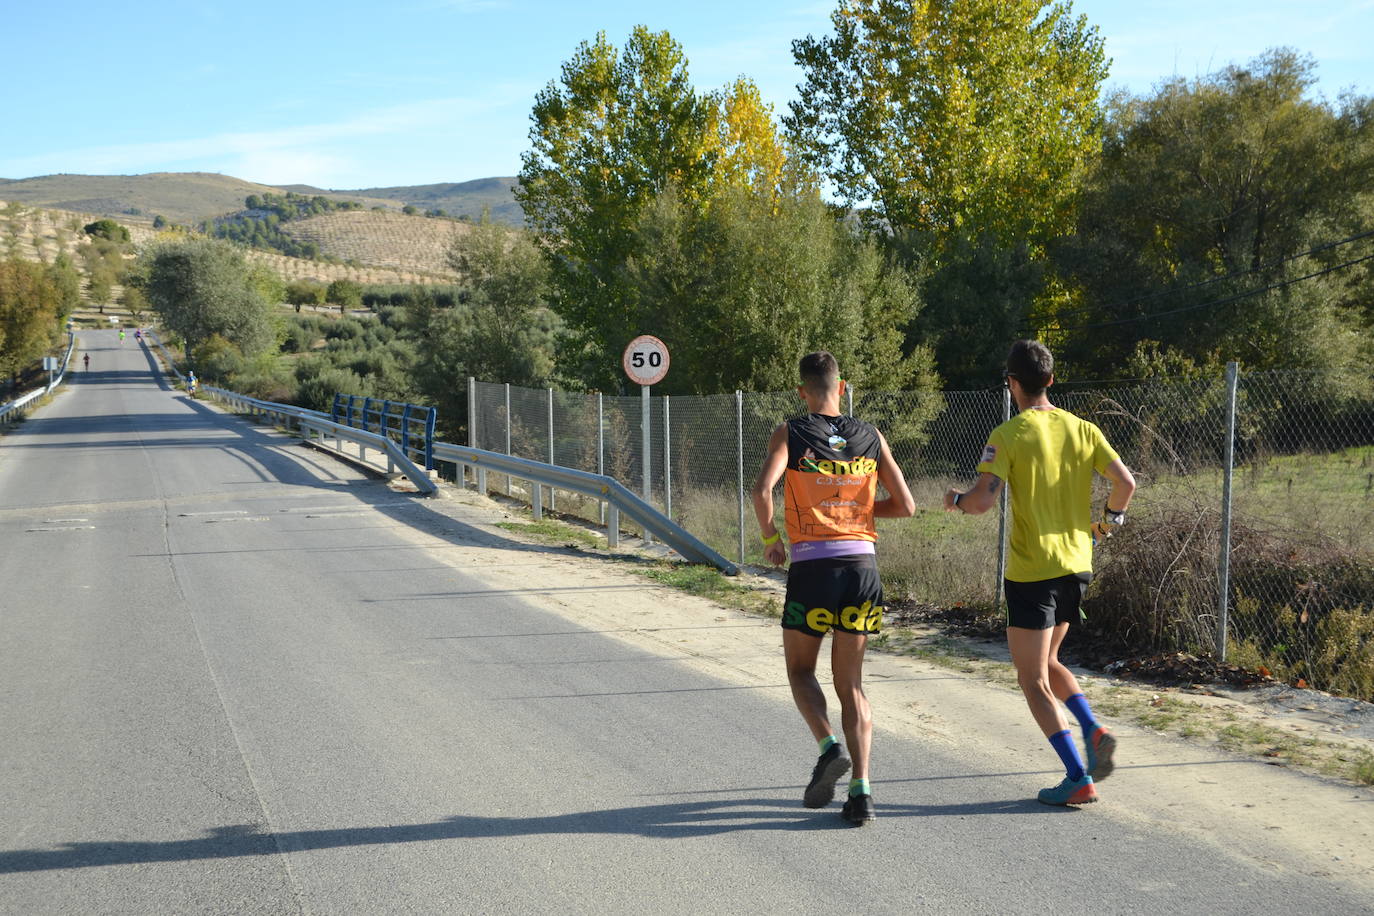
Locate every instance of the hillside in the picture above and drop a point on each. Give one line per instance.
(463, 198)
(181, 197)
(191, 197)
(38, 234)
(411, 244)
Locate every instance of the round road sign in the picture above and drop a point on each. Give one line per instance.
(646, 360)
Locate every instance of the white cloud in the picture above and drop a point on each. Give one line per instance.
(324, 154)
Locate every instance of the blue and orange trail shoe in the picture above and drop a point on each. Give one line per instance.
(858, 810)
(1101, 745)
(820, 791)
(1070, 792)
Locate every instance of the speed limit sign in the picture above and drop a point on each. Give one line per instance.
(646, 360)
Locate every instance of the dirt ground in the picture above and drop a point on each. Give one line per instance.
(1228, 774)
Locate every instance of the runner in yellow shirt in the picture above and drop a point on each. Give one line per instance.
(1047, 457)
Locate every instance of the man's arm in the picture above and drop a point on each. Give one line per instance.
(899, 503)
(774, 463)
(978, 498)
(1123, 486)
(1114, 510)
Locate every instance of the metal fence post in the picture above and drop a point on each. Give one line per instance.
(601, 450)
(481, 473)
(849, 399)
(1002, 520)
(739, 466)
(508, 480)
(667, 462)
(1228, 468)
(553, 505)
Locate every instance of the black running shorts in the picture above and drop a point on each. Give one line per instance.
(843, 593)
(1041, 605)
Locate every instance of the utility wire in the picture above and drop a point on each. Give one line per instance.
(1201, 283)
(1213, 304)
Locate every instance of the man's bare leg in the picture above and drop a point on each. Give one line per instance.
(847, 666)
(800, 652)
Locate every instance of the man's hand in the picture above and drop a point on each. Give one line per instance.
(950, 496)
(1107, 526)
(776, 553)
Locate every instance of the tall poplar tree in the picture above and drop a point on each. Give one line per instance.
(953, 118)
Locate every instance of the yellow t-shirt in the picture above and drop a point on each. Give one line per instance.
(1047, 459)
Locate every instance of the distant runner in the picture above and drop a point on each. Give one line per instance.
(121, 335)
(1046, 456)
(87, 360)
(832, 465)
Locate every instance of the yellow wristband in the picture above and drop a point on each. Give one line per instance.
(777, 535)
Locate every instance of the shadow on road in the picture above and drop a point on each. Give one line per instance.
(681, 820)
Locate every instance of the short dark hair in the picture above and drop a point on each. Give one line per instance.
(1031, 363)
(819, 371)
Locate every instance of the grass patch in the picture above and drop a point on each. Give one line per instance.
(553, 533)
(709, 582)
(1363, 768)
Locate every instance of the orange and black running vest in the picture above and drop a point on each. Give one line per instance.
(831, 481)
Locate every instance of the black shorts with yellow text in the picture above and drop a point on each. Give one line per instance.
(841, 593)
(1044, 604)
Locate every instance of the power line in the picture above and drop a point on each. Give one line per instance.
(1218, 302)
(1201, 283)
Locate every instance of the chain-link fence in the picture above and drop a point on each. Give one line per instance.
(1300, 564)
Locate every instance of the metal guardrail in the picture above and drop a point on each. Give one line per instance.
(412, 423)
(618, 499)
(18, 404)
(597, 486)
(315, 424)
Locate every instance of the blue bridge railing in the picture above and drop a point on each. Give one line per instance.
(410, 425)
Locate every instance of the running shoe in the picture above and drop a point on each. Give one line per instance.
(858, 810)
(820, 791)
(1101, 744)
(1070, 792)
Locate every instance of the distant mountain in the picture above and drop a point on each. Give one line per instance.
(462, 198)
(190, 197)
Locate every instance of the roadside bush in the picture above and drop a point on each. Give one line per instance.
(1303, 610)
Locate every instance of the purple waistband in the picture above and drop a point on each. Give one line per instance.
(824, 550)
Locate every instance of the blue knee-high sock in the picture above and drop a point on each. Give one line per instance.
(1078, 705)
(1068, 752)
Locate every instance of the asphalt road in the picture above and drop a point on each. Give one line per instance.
(233, 680)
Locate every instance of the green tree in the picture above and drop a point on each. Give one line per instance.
(346, 294)
(202, 287)
(30, 314)
(503, 330)
(953, 118)
(615, 132)
(1211, 189)
(107, 229)
(306, 292)
(740, 289)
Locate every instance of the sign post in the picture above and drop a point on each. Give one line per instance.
(646, 363)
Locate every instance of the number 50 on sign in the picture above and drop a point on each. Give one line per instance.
(646, 360)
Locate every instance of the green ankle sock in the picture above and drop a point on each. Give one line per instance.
(827, 743)
(859, 787)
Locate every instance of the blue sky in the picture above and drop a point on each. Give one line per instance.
(351, 94)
